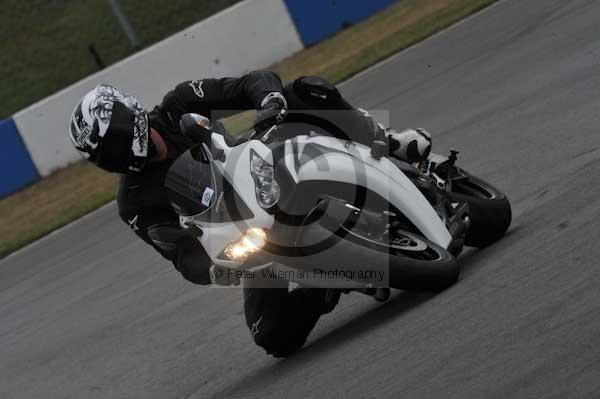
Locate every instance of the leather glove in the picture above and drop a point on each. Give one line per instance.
(272, 112)
(183, 249)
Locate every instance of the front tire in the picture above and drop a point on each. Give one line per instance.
(412, 262)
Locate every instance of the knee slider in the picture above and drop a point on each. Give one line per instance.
(277, 342)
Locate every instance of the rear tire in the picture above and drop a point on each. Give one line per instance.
(489, 211)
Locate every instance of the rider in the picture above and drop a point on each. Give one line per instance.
(112, 130)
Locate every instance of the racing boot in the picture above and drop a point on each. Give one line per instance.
(411, 145)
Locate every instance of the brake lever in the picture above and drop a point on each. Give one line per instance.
(268, 133)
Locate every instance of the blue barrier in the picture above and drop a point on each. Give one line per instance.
(16, 167)
(318, 19)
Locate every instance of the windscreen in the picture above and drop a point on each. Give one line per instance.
(197, 188)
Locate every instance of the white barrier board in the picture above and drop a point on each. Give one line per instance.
(250, 35)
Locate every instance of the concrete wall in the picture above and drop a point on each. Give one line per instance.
(250, 35)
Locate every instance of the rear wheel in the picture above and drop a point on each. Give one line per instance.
(489, 210)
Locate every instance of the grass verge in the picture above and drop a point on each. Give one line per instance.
(80, 188)
(44, 43)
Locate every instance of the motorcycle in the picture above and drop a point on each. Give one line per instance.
(325, 212)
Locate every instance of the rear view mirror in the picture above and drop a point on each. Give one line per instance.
(198, 129)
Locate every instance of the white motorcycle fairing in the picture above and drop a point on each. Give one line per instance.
(236, 170)
(321, 158)
(318, 159)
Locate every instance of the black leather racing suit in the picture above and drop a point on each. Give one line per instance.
(279, 321)
(142, 199)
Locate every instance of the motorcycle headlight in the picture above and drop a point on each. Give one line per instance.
(254, 240)
(266, 188)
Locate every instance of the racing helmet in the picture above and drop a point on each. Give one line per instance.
(110, 129)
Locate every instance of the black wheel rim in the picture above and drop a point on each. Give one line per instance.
(400, 242)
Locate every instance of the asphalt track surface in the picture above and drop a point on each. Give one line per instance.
(91, 312)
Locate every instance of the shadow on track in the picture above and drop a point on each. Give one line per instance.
(472, 257)
(400, 303)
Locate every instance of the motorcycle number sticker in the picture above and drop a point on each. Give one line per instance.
(207, 196)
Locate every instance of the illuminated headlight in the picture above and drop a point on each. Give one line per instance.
(250, 243)
(266, 188)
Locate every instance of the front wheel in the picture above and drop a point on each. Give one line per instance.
(489, 210)
(349, 236)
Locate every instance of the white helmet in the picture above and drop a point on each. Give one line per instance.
(110, 129)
